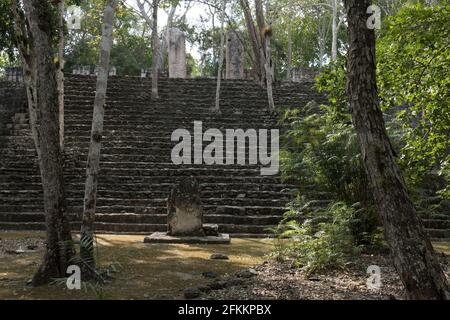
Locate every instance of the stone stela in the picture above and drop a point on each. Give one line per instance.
(177, 53)
(234, 56)
(185, 218)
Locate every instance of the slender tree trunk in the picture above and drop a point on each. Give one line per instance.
(255, 39)
(334, 30)
(289, 53)
(321, 41)
(93, 162)
(222, 42)
(60, 77)
(22, 35)
(165, 36)
(155, 45)
(213, 24)
(268, 59)
(59, 247)
(260, 21)
(411, 249)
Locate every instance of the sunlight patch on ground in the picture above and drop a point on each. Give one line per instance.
(148, 271)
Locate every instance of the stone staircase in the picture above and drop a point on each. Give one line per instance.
(136, 169)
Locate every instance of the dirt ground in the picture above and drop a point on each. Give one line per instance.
(162, 271)
(147, 271)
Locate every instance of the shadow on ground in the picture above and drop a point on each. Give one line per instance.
(147, 271)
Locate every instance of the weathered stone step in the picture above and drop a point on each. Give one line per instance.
(77, 156)
(151, 202)
(244, 187)
(212, 209)
(150, 179)
(143, 218)
(148, 194)
(133, 228)
(25, 164)
(149, 171)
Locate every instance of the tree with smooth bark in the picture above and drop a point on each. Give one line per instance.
(155, 49)
(289, 40)
(412, 252)
(221, 56)
(59, 247)
(255, 41)
(93, 161)
(267, 34)
(22, 39)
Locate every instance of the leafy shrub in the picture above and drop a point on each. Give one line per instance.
(318, 240)
(320, 153)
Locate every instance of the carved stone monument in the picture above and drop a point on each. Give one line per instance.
(184, 210)
(177, 53)
(234, 56)
(185, 218)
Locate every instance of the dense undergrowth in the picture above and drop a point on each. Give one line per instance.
(333, 215)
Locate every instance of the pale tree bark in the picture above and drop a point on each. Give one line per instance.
(155, 45)
(93, 162)
(162, 50)
(221, 55)
(411, 249)
(212, 11)
(255, 40)
(334, 30)
(141, 6)
(22, 35)
(323, 27)
(268, 58)
(59, 247)
(335, 25)
(260, 21)
(289, 34)
(321, 39)
(60, 75)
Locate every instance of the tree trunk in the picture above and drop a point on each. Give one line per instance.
(255, 39)
(23, 40)
(334, 30)
(222, 42)
(289, 53)
(155, 45)
(260, 21)
(59, 247)
(93, 162)
(60, 75)
(411, 249)
(162, 50)
(321, 41)
(268, 59)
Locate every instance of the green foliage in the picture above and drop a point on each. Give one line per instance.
(321, 150)
(6, 31)
(318, 240)
(320, 146)
(414, 78)
(131, 47)
(320, 153)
